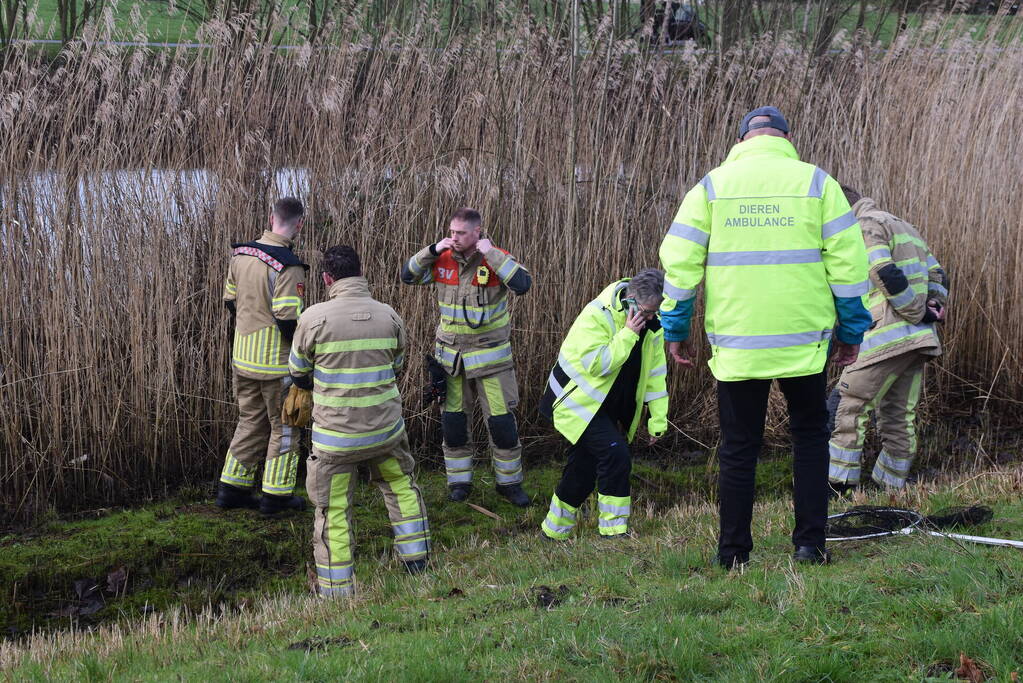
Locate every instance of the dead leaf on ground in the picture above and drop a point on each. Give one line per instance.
(968, 670)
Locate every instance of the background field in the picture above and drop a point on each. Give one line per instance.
(127, 173)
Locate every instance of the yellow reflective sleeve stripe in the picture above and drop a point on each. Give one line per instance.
(879, 253)
(298, 363)
(904, 238)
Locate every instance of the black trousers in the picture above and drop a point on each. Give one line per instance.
(600, 456)
(742, 408)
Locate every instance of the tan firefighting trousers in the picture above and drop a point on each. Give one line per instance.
(890, 388)
(497, 395)
(330, 482)
(260, 436)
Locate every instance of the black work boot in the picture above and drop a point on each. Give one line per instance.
(270, 504)
(416, 566)
(514, 494)
(459, 492)
(808, 554)
(231, 497)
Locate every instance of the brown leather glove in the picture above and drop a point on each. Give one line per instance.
(298, 407)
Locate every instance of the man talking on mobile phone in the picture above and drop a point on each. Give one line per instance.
(610, 366)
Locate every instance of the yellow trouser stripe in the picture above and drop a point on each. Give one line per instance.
(400, 483)
(338, 543)
(495, 396)
(453, 402)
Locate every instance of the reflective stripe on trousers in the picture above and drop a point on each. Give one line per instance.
(236, 474)
(405, 508)
(613, 512)
(560, 519)
(845, 464)
(336, 580)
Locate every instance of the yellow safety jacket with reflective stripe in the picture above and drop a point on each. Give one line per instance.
(903, 276)
(263, 290)
(597, 345)
(777, 242)
(353, 346)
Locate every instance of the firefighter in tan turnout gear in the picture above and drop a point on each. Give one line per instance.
(347, 351)
(472, 279)
(263, 290)
(908, 290)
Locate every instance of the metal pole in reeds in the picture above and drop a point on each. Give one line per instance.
(573, 126)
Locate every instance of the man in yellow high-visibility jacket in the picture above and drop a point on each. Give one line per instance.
(784, 261)
(609, 367)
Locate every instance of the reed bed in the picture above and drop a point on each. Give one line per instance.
(114, 353)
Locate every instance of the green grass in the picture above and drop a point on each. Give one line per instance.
(164, 23)
(187, 552)
(644, 608)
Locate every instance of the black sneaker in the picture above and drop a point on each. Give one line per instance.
(270, 504)
(459, 492)
(731, 562)
(231, 497)
(415, 566)
(514, 494)
(808, 554)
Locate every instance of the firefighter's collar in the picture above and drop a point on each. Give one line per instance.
(462, 258)
(349, 286)
(270, 237)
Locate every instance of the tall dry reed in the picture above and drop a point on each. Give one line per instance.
(114, 351)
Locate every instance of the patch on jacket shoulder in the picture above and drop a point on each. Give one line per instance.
(364, 315)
